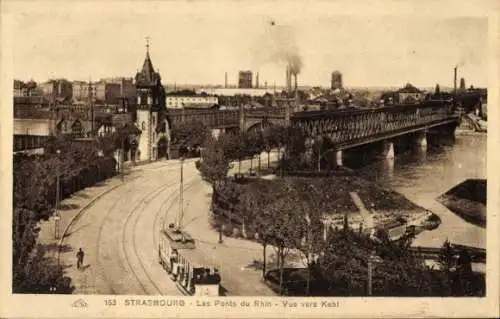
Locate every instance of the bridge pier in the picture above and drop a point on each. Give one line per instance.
(421, 139)
(388, 150)
(338, 158)
(217, 132)
(309, 150)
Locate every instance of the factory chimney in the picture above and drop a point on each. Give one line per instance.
(288, 79)
(296, 91)
(225, 80)
(257, 81)
(295, 84)
(455, 81)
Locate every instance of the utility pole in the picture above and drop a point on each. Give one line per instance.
(370, 274)
(122, 159)
(181, 197)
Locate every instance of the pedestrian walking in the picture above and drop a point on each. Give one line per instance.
(79, 256)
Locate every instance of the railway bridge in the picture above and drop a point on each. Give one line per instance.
(350, 129)
(346, 129)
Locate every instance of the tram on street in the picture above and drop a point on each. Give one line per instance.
(177, 254)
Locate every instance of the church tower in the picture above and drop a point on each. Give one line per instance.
(151, 120)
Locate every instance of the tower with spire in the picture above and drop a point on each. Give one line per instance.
(151, 112)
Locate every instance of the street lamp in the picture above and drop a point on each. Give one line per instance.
(100, 154)
(122, 159)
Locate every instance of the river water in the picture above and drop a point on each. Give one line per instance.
(422, 176)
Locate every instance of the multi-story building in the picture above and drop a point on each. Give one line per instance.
(127, 87)
(409, 94)
(336, 80)
(245, 79)
(81, 92)
(60, 89)
(107, 93)
(22, 89)
(189, 99)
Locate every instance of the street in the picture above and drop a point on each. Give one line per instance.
(119, 234)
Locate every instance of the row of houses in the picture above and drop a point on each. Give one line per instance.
(105, 91)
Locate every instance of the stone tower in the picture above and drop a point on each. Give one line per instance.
(151, 119)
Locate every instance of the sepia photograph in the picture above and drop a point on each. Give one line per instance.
(173, 154)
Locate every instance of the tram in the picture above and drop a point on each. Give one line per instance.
(177, 255)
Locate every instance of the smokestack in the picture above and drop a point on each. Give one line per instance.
(225, 80)
(297, 101)
(265, 85)
(455, 81)
(289, 79)
(257, 80)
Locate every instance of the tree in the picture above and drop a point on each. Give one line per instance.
(39, 275)
(343, 266)
(268, 141)
(272, 137)
(191, 134)
(283, 231)
(312, 243)
(24, 235)
(252, 145)
(294, 141)
(215, 164)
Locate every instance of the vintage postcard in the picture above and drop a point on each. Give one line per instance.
(249, 159)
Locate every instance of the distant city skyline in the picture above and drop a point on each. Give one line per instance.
(195, 45)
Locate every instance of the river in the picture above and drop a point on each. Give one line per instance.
(423, 176)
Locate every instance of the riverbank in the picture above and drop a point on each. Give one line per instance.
(467, 200)
(366, 205)
(472, 123)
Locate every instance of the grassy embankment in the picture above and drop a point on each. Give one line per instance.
(331, 196)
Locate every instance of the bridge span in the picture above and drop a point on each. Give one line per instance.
(345, 128)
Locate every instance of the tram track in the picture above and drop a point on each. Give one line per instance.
(107, 279)
(98, 240)
(145, 200)
(172, 198)
(132, 264)
(132, 213)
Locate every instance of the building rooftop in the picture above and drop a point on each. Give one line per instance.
(408, 88)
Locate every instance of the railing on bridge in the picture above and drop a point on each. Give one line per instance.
(269, 112)
(214, 118)
(346, 127)
(210, 117)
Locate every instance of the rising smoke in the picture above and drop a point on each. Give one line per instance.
(277, 44)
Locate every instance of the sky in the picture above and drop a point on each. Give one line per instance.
(194, 43)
